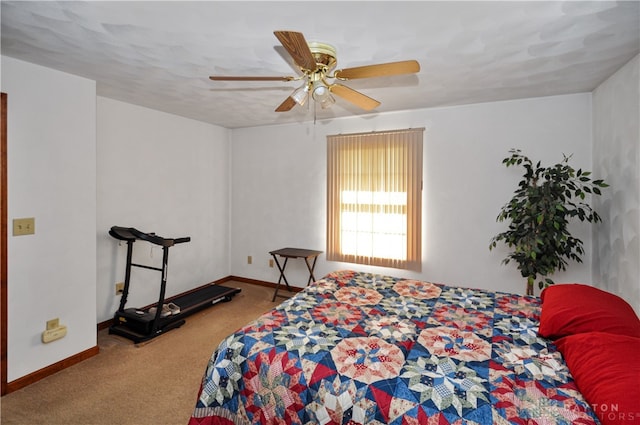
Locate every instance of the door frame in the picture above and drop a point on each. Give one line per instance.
(3, 243)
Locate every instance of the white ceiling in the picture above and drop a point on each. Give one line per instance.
(160, 54)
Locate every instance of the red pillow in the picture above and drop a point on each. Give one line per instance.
(606, 369)
(572, 308)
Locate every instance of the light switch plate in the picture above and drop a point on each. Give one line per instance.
(24, 226)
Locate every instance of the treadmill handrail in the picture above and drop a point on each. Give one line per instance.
(131, 234)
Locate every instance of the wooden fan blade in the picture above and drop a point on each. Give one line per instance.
(286, 105)
(248, 78)
(353, 96)
(380, 70)
(296, 45)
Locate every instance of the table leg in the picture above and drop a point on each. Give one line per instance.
(282, 276)
(310, 268)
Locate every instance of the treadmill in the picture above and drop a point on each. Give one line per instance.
(143, 324)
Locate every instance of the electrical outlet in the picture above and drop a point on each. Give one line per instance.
(53, 334)
(249, 260)
(119, 288)
(271, 263)
(53, 324)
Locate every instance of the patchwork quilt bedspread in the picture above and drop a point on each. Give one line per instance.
(358, 348)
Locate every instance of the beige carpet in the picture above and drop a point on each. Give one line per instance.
(152, 383)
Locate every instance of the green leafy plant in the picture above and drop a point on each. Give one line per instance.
(546, 200)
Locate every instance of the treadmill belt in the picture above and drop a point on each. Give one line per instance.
(203, 297)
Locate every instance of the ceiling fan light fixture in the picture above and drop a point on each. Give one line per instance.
(301, 94)
(320, 91)
(327, 102)
(322, 95)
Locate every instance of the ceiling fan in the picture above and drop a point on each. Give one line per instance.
(316, 62)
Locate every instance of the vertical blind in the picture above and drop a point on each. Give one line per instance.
(374, 198)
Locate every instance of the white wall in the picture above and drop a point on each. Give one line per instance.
(165, 174)
(616, 155)
(279, 184)
(52, 177)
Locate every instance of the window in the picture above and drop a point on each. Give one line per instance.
(374, 198)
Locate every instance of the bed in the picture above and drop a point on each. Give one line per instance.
(360, 348)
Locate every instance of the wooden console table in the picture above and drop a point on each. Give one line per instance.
(286, 253)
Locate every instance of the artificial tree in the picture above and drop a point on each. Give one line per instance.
(539, 213)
